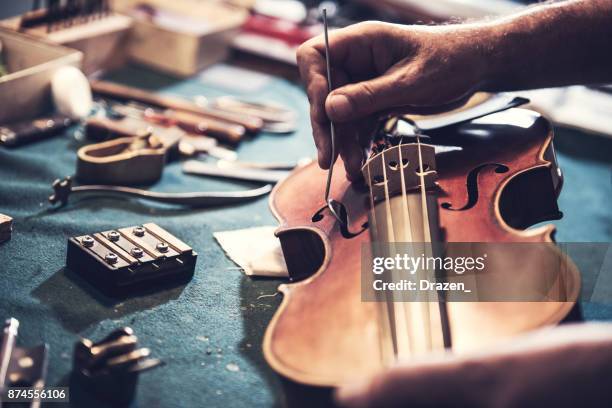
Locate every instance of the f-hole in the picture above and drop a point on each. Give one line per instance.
(343, 221)
(472, 186)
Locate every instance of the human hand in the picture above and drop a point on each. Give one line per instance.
(565, 367)
(378, 68)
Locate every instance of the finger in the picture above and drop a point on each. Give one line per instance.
(366, 130)
(312, 71)
(359, 100)
(351, 152)
(320, 123)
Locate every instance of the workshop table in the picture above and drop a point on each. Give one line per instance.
(219, 317)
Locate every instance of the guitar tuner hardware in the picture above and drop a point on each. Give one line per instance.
(124, 259)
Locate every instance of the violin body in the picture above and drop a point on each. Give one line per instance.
(503, 179)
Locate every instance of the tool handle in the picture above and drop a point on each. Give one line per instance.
(124, 92)
(100, 128)
(223, 131)
(21, 133)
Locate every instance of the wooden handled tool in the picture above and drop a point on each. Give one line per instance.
(124, 93)
(222, 131)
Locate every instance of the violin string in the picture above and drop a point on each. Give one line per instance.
(390, 239)
(408, 236)
(391, 233)
(426, 236)
(374, 235)
(407, 221)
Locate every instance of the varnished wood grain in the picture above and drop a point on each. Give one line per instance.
(323, 334)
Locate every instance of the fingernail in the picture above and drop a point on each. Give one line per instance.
(340, 106)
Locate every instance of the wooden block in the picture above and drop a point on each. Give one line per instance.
(6, 227)
(192, 34)
(101, 40)
(24, 92)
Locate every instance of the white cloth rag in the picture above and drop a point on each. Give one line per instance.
(256, 250)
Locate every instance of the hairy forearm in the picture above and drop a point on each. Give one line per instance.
(555, 44)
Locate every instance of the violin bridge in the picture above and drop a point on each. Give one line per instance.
(387, 171)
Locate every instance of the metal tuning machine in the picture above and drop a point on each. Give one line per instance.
(122, 260)
(20, 366)
(109, 369)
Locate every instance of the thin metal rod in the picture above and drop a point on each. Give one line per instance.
(192, 199)
(63, 189)
(6, 350)
(331, 123)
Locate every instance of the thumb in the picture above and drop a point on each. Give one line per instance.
(361, 99)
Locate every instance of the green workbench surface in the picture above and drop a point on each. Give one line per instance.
(218, 318)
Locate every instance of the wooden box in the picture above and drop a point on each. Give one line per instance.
(184, 36)
(101, 39)
(25, 91)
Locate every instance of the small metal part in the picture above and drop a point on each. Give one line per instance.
(239, 173)
(19, 366)
(111, 258)
(113, 236)
(123, 260)
(110, 368)
(63, 189)
(137, 252)
(87, 241)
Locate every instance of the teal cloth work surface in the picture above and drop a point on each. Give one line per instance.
(219, 317)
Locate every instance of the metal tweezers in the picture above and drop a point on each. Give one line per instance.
(63, 189)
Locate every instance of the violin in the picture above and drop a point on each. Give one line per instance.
(483, 181)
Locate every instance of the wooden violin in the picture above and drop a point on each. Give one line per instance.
(487, 180)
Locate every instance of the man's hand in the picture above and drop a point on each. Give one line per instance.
(378, 68)
(565, 367)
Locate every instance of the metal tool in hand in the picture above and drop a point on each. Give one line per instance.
(63, 189)
(336, 208)
(496, 103)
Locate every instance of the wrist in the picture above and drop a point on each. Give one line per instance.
(504, 51)
(486, 43)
